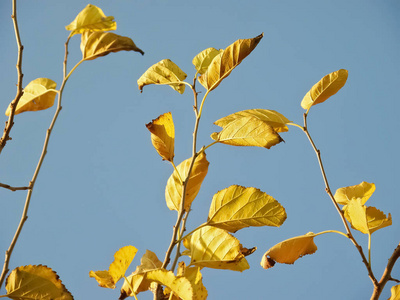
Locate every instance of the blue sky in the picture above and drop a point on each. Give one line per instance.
(102, 183)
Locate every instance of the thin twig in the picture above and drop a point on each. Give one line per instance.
(12, 188)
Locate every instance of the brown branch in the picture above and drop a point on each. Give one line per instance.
(21, 188)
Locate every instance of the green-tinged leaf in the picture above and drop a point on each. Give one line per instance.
(163, 72)
(247, 131)
(36, 283)
(39, 94)
(202, 60)
(328, 86)
(238, 207)
(163, 135)
(223, 63)
(91, 18)
(173, 190)
(395, 292)
(365, 219)
(362, 191)
(215, 248)
(288, 251)
(97, 44)
(271, 117)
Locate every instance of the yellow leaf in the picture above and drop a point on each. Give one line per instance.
(173, 190)
(148, 262)
(104, 278)
(223, 63)
(36, 282)
(328, 86)
(136, 282)
(163, 135)
(247, 131)
(363, 191)
(91, 18)
(238, 207)
(271, 117)
(215, 248)
(365, 219)
(97, 44)
(202, 60)
(288, 251)
(39, 94)
(395, 292)
(163, 72)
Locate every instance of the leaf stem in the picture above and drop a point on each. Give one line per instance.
(369, 250)
(332, 231)
(11, 188)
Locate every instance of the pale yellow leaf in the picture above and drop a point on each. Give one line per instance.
(148, 262)
(238, 207)
(288, 251)
(173, 190)
(163, 135)
(223, 63)
(395, 292)
(39, 94)
(163, 72)
(215, 248)
(97, 44)
(136, 282)
(202, 60)
(328, 86)
(362, 191)
(36, 283)
(103, 278)
(91, 18)
(247, 131)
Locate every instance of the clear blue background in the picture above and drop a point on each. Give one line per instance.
(102, 183)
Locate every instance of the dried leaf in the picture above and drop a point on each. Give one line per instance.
(39, 94)
(163, 135)
(362, 191)
(163, 72)
(91, 18)
(238, 207)
(36, 283)
(202, 60)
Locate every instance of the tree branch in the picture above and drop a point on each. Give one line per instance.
(21, 188)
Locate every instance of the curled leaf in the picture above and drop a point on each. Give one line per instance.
(91, 18)
(362, 191)
(202, 60)
(163, 135)
(39, 94)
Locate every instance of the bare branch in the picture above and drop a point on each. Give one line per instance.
(21, 188)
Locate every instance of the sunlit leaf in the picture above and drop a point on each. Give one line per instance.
(365, 219)
(97, 44)
(163, 72)
(173, 190)
(238, 207)
(148, 262)
(223, 63)
(288, 251)
(215, 248)
(247, 131)
(395, 292)
(91, 18)
(363, 191)
(271, 117)
(39, 94)
(163, 135)
(36, 283)
(202, 60)
(328, 86)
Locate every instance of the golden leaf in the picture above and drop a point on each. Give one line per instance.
(163, 135)
(247, 131)
(223, 63)
(202, 60)
(148, 262)
(363, 191)
(91, 18)
(173, 190)
(238, 207)
(163, 72)
(36, 282)
(288, 251)
(215, 248)
(39, 94)
(395, 292)
(328, 86)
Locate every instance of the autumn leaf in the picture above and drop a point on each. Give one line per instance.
(39, 94)
(328, 86)
(202, 60)
(97, 44)
(362, 191)
(163, 135)
(395, 292)
(223, 63)
(36, 283)
(163, 72)
(173, 190)
(91, 18)
(238, 207)
(288, 251)
(247, 131)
